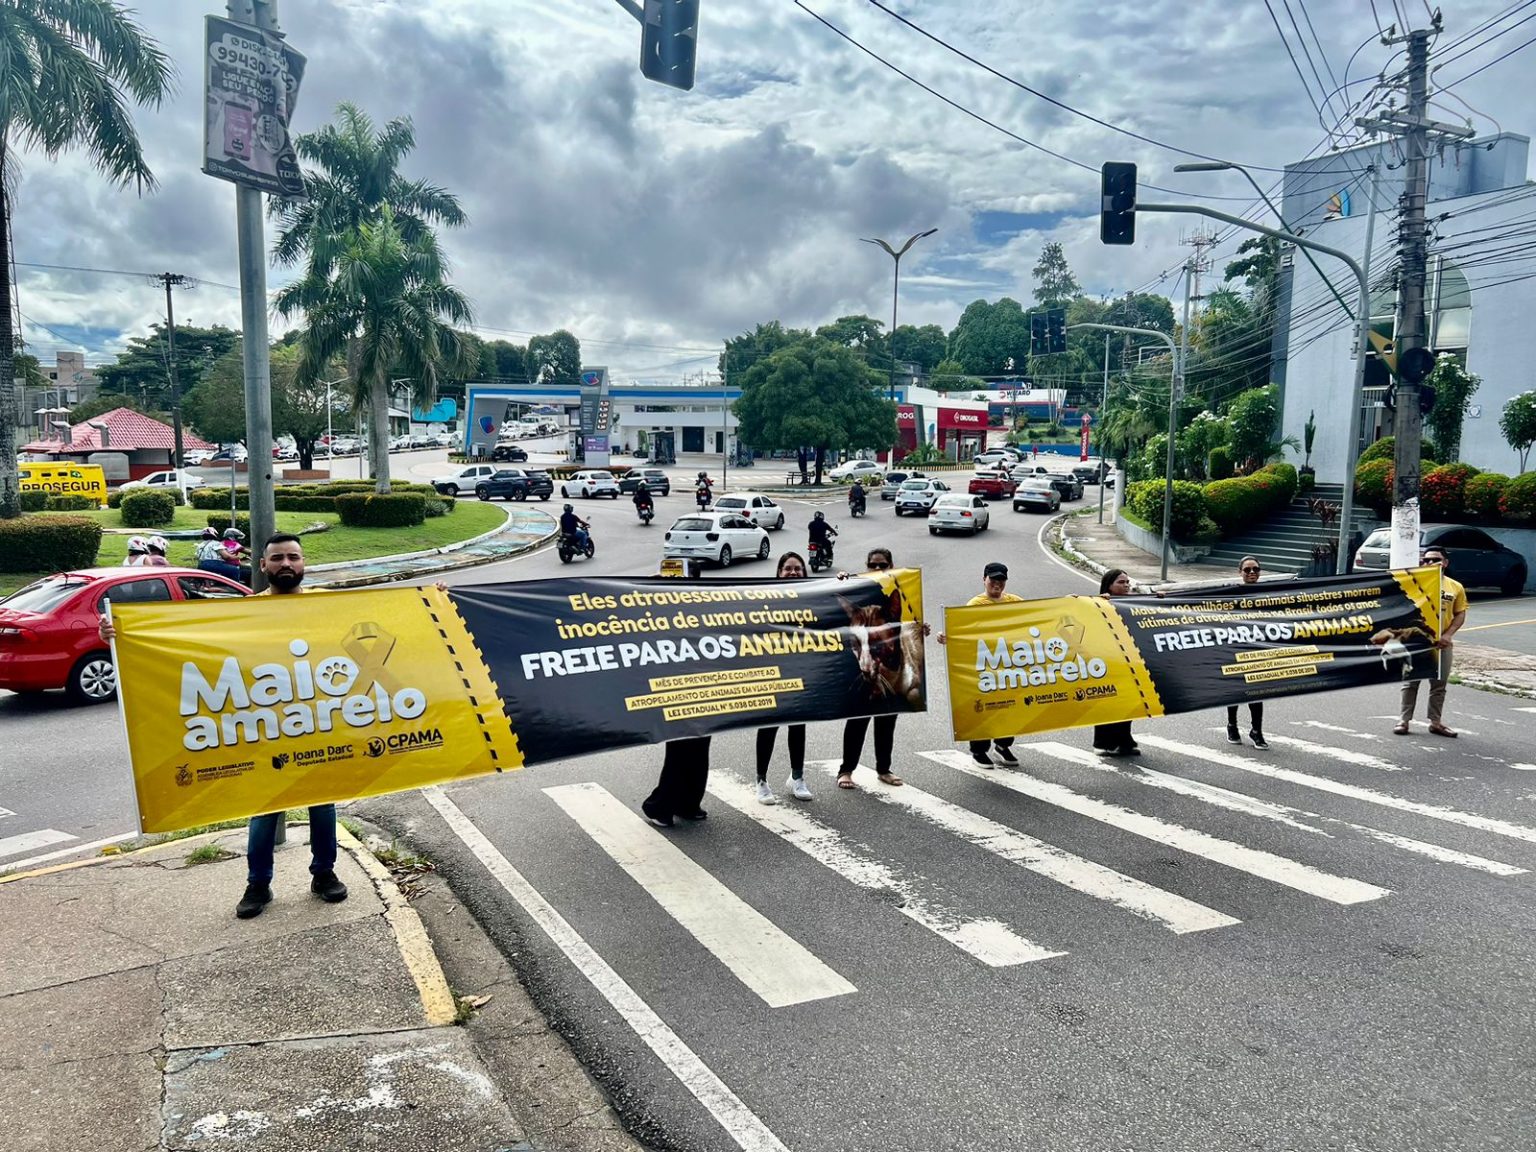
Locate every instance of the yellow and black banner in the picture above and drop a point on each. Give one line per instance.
(1071, 661)
(238, 707)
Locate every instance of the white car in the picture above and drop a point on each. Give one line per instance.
(465, 478)
(918, 496)
(958, 512)
(718, 537)
(590, 484)
(759, 509)
(992, 457)
(168, 479)
(860, 469)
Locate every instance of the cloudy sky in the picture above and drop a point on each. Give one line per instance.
(655, 223)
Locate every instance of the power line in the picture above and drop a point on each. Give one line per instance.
(193, 280)
(1490, 64)
(1484, 43)
(1307, 88)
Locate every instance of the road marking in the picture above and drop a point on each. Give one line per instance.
(740, 1123)
(1266, 865)
(1352, 791)
(1137, 897)
(1497, 624)
(31, 841)
(1337, 728)
(760, 954)
(1280, 813)
(12, 866)
(1343, 755)
(991, 941)
(4, 812)
(1523, 709)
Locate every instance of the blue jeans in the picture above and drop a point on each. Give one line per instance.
(262, 836)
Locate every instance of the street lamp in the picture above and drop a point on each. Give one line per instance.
(896, 254)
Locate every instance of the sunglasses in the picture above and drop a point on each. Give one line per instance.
(1251, 568)
(879, 567)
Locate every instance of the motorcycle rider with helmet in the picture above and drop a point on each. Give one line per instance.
(821, 534)
(573, 526)
(644, 507)
(702, 491)
(856, 498)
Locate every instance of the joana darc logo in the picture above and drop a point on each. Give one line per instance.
(242, 706)
(1029, 663)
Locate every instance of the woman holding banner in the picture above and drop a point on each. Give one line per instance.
(791, 567)
(1114, 739)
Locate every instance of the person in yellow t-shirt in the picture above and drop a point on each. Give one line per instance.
(994, 585)
(1453, 614)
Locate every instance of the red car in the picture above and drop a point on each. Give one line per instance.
(993, 485)
(48, 629)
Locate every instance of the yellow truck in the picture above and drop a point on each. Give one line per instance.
(65, 478)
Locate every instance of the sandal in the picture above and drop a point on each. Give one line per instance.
(1400, 730)
(1442, 730)
(845, 780)
(892, 779)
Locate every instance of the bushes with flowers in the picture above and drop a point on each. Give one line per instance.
(1443, 490)
(1481, 496)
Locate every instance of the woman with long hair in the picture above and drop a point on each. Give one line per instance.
(1114, 739)
(791, 567)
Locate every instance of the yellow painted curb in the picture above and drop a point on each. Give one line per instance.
(91, 861)
(416, 949)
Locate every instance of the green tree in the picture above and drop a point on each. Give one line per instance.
(862, 333)
(94, 406)
(741, 352)
(508, 361)
(812, 393)
(142, 369)
(1229, 351)
(68, 69)
(300, 406)
(1454, 387)
(925, 346)
(1518, 423)
(991, 339)
(1253, 417)
(1055, 285)
(555, 358)
(1258, 267)
(215, 407)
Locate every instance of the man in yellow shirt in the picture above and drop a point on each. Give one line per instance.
(1453, 614)
(994, 584)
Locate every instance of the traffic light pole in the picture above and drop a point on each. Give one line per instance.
(1363, 319)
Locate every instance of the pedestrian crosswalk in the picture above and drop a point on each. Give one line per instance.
(41, 846)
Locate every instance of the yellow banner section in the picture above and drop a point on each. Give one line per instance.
(239, 707)
(1041, 665)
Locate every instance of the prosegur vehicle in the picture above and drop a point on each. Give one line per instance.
(65, 478)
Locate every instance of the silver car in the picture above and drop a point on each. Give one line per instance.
(1036, 493)
(917, 496)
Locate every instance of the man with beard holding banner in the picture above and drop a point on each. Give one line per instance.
(994, 581)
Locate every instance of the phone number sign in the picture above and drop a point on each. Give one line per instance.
(251, 84)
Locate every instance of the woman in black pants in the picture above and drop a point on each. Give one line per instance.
(1114, 739)
(680, 791)
(791, 567)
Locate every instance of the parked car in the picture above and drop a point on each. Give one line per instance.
(197, 455)
(515, 484)
(590, 484)
(718, 537)
(48, 629)
(993, 485)
(656, 481)
(894, 481)
(1070, 487)
(856, 469)
(1036, 494)
(918, 496)
(959, 512)
(1091, 473)
(466, 477)
(399, 443)
(170, 478)
(995, 456)
(1477, 560)
(510, 453)
(759, 509)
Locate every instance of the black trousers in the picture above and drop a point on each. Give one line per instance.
(853, 742)
(1112, 736)
(684, 772)
(1255, 714)
(982, 747)
(796, 741)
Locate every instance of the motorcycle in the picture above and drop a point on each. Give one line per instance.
(570, 547)
(856, 505)
(646, 512)
(821, 554)
(702, 495)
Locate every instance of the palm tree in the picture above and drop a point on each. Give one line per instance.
(387, 309)
(66, 67)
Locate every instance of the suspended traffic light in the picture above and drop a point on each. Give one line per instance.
(1055, 331)
(669, 41)
(1117, 205)
(1039, 338)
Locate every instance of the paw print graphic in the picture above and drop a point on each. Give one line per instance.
(336, 675)
(280, 761)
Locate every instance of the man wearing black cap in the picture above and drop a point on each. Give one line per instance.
(994, 582)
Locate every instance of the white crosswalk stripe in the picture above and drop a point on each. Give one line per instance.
(1266, 865)
(990, 941)
(32, 841)
(1126, 892)
(761, 955)
(1342, 755)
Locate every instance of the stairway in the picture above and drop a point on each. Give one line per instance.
(1283, 542)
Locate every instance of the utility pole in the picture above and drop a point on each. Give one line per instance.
(725, 435)
(1103, 404)
(173, 280)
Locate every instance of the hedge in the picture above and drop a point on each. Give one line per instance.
(1519, 499)
(1283, 482)
(1189, 506)
(1220, 465)
(1443, 491)
(115, 499)
(48, 543)
(306, 497)
(148, 508)
(70, 502)
(1233, 503)
(376, 510)
(219, 521)
(1384, 448)
(34, 499)
(1373, 484)
(1482, 495)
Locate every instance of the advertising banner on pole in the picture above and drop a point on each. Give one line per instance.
(1071, 661)
(251, 84)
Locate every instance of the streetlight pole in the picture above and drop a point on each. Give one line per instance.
(896, 254)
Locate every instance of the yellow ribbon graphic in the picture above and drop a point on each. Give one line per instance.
(369, 646)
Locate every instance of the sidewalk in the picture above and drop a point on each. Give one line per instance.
(136, 1012)
(1095, 547)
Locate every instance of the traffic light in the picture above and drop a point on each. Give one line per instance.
(1039, 338)
(1415, 364)
(1117, 208)
(668, 41)
(1055, 331)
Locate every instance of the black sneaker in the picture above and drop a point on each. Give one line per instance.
(696, 814)
(257, 897)
(1007, 755)
(328, 888)
(1234, 736)
(659, 821)
(983, 759)
(1258, 740)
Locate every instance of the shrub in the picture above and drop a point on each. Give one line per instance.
(48, 543)
(377, 510)
(1283, 481)
(212, 499)
(1233, 503)
(1442, 491)
(1189, 508)
(1305, 481)
(1384, 448)
(435, 507)
(1373, 484)
(34, 499)
(147, 508)
(1482, 494)
(69, 502)
(219, 521)
(1519, 499)
(115, 499)
(1220, 466)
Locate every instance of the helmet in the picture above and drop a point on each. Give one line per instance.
(641, 486)
(568, 508)
(210, 533)
(233, 534)
(137, 545)
(157, 545)
(820, 515)
(703, 475)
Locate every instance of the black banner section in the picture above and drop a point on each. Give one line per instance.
(584, 665)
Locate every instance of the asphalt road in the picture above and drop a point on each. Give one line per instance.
(1326, 945)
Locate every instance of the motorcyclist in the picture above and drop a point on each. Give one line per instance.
(856, 497)
(821, 534)
(702, 491)
(157, 549)
(643, 503)
(212, 556)
(138, 552)
(573, 526)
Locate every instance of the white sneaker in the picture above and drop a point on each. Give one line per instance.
(799, 788)
(765, 794)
